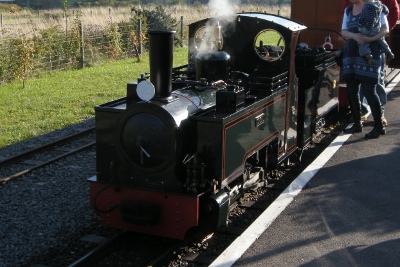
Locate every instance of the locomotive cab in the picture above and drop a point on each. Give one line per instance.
(261, 63)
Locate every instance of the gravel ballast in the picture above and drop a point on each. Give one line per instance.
(46, 211)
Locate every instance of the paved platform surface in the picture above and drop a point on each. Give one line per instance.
(348, 214)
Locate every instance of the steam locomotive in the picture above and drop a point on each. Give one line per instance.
(186, 142)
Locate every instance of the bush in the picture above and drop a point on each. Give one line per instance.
(17, 58)
(56, 49)
(159, 19)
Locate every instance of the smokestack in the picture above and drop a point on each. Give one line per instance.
(161, 44)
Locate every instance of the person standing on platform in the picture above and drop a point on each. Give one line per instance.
(354, 66)
(392, 18)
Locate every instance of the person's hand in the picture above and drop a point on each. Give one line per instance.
(359, 38)
(367, 39)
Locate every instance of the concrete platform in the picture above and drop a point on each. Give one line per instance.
(344, 210)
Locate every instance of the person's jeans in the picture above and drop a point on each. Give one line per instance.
(353, 89)
(380, 90)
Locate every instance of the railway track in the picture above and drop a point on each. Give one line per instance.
(20, 164)
(126, 249)
(98, 252)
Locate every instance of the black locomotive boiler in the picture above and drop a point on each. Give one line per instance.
(186, 142)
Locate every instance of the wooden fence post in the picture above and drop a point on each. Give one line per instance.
(82, 45)
(182, 28)
(140, 37)
(66, 25)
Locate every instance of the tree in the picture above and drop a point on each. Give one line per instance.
(40, 4)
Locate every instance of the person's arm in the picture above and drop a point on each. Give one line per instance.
(358, 37)
(382, 33)
(345, 33)
(394, 13)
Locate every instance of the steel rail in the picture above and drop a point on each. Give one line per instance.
(25, 171)
(94, 255)
(43, 147)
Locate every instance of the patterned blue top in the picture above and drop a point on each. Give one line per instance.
(355, 66)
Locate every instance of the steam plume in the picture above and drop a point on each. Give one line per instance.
(222, 7)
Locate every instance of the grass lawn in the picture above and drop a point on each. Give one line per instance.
(66, 97)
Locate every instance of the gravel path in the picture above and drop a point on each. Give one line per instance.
(44, 211)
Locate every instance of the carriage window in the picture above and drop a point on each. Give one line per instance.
(269, 45)
(206, 38)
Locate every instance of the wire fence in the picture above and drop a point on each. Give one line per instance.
(78, 46)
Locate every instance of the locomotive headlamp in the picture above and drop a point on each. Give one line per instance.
(145, 90)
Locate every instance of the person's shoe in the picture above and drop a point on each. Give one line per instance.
(384, 121)
(370, 60)
(364, 117)
(375, 133)
(355, 128)
(390, 56)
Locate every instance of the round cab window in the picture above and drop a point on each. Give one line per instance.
(269, 45)
(206, 39)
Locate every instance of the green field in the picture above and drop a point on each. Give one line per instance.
(65, 97)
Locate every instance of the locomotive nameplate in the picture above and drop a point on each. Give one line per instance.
(259, 120)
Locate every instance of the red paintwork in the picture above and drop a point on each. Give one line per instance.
(179, 213)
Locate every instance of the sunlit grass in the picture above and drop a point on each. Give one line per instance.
(66, 97)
